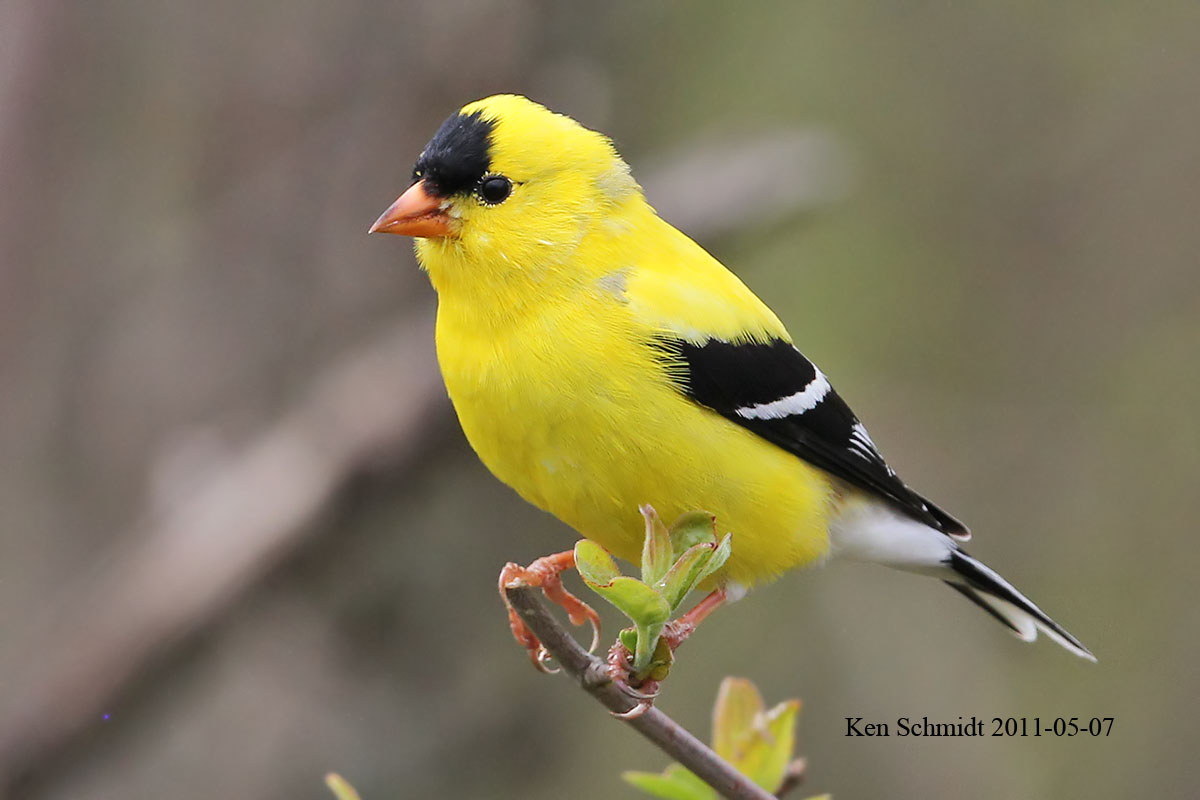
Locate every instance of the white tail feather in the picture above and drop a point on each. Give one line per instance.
(869, 529)
(983, 585)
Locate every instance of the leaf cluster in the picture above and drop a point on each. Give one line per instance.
(674, 562)
(756, 740)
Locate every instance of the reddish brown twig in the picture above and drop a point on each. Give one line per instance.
(664, 732)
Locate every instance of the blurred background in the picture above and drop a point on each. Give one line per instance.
(243, 542)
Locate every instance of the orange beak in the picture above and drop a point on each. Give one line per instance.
(415, 213)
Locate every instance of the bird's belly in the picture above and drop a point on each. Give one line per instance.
(591, 445)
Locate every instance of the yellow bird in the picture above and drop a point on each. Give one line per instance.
(599, 359)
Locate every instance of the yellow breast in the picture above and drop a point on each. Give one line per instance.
(567, 406)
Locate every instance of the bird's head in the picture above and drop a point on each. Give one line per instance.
(508, 183)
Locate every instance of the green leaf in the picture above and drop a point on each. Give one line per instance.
(647, 646)
(660, 662)
(634, 599)
(758, 743)
(693, 528)
(595, 565)
(675, 783)
(719, 557)
(340, 787)
(738, 705)
(685, 573)
(656, 551)
(644, 606)
(770, 751)
(648, 610)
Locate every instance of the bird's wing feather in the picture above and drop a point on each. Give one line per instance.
(771, 389)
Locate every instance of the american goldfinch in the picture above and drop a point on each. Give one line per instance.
(599, 359)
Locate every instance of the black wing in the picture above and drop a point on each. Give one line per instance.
(773, 390)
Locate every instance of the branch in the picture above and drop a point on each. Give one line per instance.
(792, 778)
(664, 732)
(199, 549)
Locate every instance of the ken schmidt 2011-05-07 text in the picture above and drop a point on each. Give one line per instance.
(982, 726)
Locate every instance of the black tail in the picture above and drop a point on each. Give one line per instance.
(982, 586)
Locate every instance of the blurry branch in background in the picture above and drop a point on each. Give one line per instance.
(763, 178)
(199, 549)
(25, 59)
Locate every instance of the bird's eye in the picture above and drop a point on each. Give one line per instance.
(495, 189)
